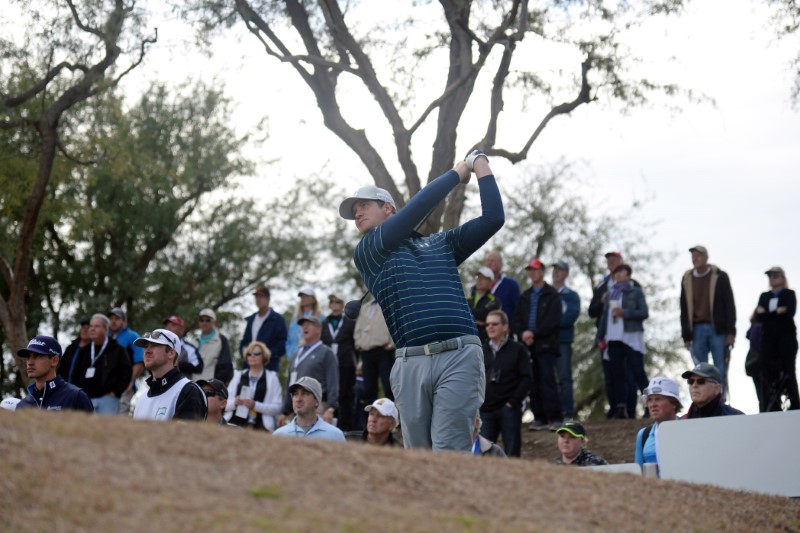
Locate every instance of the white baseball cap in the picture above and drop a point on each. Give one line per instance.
(308, 290)
(160, 336)
(385, 407)
(664, 387)
(486, 272)
(370, 192)
(10, 404)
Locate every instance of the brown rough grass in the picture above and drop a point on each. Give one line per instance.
(72, 472)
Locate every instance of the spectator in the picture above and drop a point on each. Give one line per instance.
(189, 361)
(102, 368)
(215, 350)
(119, 331)
(708, 311)
(508, 380)
(536, 325)
(382, 420)
(257, 391)
(317, 361)
(265, 325)
(170, 394)
(752, 363)
(776, 309)
(337, 334)
(82, 340)
(307, 307)
(572, 442)
(481, 299)
(481, 445)
(705, 389)
(622, 328)
(437, 378)
(663, 404)
(49, 391)
(599, 295)
(504, 288)
(306, 395)
(217, 399)
(570, 309)
(375, 350)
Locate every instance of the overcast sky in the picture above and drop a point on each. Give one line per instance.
(722, 175)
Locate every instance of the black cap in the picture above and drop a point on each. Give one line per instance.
(215, 384)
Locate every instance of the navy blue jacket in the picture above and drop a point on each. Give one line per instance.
(570, 309)
(548, 320)
(272, 333)
(57, 395)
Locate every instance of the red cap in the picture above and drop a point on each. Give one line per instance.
(175, 320)
(534, 263)
(614, 254)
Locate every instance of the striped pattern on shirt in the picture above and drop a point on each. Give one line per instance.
(415, 278)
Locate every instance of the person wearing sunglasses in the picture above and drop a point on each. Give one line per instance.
(217, 398)
(705, 389)
(170, 394)
(508, 381)
(257, 393)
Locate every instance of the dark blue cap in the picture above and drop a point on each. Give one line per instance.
(41, 344)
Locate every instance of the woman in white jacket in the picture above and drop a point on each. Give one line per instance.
(256, 392)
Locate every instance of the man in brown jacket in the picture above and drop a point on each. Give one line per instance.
(708, 311)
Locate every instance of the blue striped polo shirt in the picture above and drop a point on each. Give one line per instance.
(415, 278)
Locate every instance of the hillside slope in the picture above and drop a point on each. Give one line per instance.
(72, 472)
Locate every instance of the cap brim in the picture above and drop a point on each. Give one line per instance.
(26, 352)
(346, 208)
(576, 435)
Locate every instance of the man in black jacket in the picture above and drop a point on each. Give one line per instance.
(537, 319)
(337, 334)
(508, 380)
(102, 368)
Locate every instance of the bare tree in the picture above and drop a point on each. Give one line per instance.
(324, 41)
(91, 40)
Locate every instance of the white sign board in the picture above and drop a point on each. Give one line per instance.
(746, 452)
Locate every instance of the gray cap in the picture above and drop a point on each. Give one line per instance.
(117, 311)
(310, 384)
(314, 320)
(370, 192)
(563, 265)
(704, 370)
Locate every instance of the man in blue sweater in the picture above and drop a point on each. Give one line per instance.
(49, 391)
(438, 377)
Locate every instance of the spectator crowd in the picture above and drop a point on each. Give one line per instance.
(337, 377)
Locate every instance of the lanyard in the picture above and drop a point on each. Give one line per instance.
(335, 332)
(306, 351)
(102, 349)
(497, 283)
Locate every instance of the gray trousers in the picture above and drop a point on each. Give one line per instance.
(438, 397)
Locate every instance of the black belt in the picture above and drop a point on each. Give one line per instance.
(437, 347)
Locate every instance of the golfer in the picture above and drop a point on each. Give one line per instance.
(438, 377)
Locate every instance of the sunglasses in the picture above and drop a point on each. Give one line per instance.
(255, 354)
(205, 319)
(155, 335)
(699, 381)
(493, 324)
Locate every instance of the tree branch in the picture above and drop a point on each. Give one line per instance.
(63, 151)
(15, 101)
(81, 25)
(584, 97)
